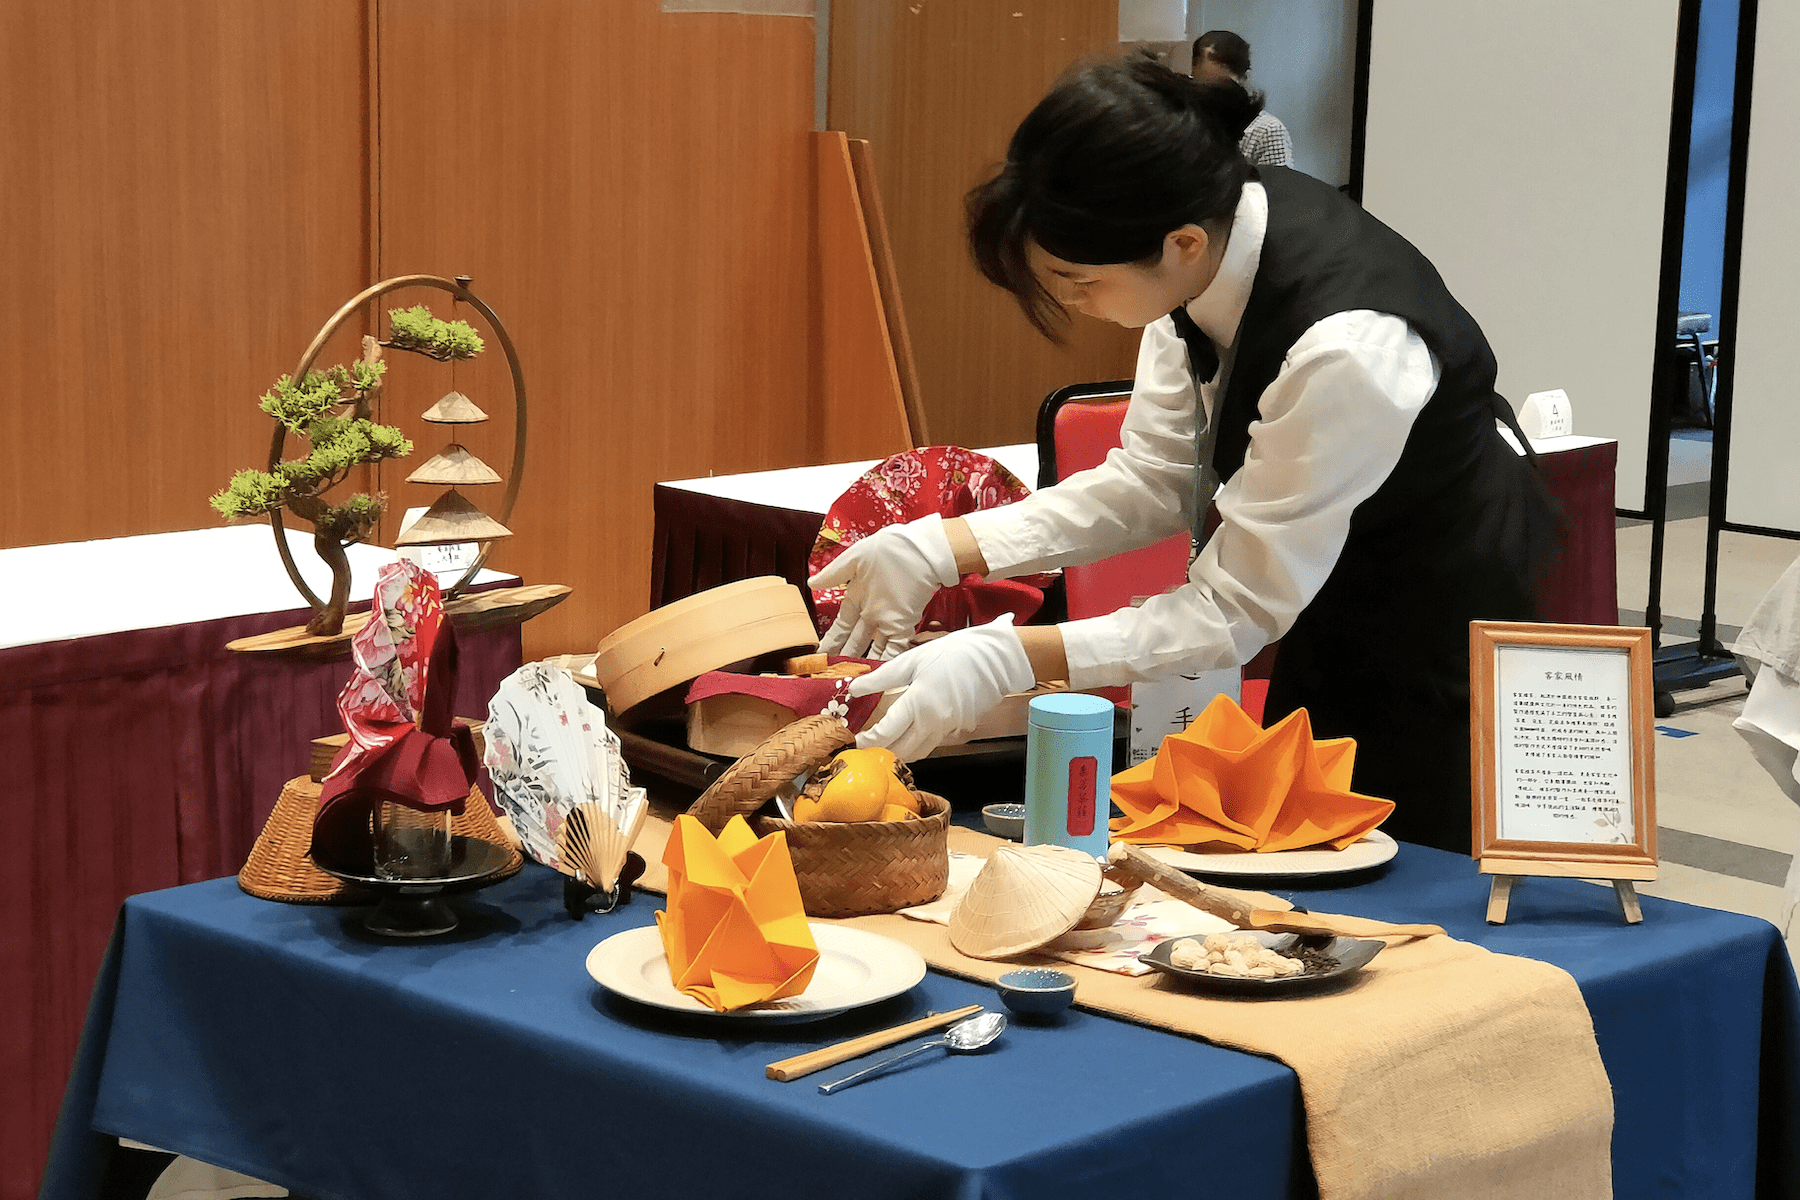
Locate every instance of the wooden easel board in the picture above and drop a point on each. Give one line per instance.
(1562, 762)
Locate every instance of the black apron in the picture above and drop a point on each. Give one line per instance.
(1460, 531)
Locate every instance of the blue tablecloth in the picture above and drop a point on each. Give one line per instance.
(278, 1040)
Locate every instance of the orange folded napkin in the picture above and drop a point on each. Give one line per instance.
(1228, 781)
(734, 930)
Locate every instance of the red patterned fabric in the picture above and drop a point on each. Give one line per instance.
(949, 481)
(805, 697)
(405, 746)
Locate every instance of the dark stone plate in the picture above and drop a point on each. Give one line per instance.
(1352, 954)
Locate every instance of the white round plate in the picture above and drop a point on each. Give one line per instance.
(855, 968)
(1372, 850)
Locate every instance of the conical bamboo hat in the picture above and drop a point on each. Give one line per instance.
(452, 519)
(1025, 896)
(455, 409)
(455, 466)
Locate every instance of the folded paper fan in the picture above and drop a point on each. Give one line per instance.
(549, 752)
(949, 481)
(1024, 897)
(593, 843)
(1225, 781)
(734, 931)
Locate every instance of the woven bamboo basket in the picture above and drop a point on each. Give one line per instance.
(279, 869)
(844, 868)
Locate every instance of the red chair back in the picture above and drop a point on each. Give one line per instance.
(1077, 427)
(1084, 432)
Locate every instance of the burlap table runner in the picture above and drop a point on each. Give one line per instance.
(1443, 1071)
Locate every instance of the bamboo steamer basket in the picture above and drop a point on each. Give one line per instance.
(844, 868)
(704, 632)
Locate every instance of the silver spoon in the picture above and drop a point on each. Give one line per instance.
(972, 1033)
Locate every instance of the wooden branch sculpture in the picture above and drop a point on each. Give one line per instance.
(332, 409)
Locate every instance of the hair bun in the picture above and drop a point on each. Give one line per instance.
(1226, 104)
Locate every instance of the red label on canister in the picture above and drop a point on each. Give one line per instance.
(1082, 777)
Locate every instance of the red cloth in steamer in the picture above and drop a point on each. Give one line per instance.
(805, 697)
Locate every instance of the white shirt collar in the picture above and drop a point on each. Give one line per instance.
(1220, 308)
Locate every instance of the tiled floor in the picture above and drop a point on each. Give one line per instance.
(1729, 832)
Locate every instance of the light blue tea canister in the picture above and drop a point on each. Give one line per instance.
(1068, 771)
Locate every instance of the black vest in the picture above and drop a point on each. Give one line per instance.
(1459, 531)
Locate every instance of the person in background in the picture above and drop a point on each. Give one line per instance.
(1220, 55)
(1294, 348)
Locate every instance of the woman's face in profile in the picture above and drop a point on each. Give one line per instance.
(1129, 294)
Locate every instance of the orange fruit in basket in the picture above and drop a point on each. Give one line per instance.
(864, 784)
(902, 797)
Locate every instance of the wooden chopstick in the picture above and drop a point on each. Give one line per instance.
(817, 1060)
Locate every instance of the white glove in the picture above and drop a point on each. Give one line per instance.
(888, 578)
(950, 683)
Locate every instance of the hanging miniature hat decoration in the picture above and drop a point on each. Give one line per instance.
(734, 931)
(398, 708)
(949, 481)
(1227, 781)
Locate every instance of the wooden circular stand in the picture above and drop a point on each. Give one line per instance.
(471, 612)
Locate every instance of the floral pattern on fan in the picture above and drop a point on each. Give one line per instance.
(548, 750)
(947, 480)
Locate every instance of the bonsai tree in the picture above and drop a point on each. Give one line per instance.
(330, 409)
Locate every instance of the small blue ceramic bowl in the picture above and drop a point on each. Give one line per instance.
(1036, 991)
(1005, 820)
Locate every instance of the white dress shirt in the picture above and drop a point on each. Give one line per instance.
(1331, 427)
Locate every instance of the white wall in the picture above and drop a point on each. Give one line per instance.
(1764, 487)
(1303, 54)
(1531, 170)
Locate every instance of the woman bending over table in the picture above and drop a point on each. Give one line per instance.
(1296, 351)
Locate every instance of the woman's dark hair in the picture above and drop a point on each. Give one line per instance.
(1227, 49)
(1118, 155)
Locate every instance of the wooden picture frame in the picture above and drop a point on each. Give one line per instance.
(1562, 764)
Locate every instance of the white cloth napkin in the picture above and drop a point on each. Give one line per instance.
(1769, 651)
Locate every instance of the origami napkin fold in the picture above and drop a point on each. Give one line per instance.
(734, 930)
(1227, 781)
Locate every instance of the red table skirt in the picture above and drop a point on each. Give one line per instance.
(139, 761)
(703, 541)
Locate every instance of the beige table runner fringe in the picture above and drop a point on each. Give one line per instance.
(1444, 1072)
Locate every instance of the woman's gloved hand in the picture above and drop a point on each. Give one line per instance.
(950, 684)
(888, 578)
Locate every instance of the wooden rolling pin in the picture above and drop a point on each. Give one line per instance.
(817, 1060)
(1227, 906)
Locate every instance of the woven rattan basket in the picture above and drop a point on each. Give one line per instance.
(278, 867)
(844, 868)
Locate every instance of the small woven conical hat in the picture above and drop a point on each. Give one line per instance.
(455, 409)
(1025, 896)
(454, 465)
(452, 519)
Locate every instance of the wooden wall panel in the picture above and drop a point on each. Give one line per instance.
(630, 191)
(937, 89)
(182, 206)
(859, 383)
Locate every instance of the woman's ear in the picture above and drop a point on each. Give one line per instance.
(1186, 247)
